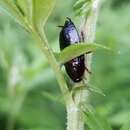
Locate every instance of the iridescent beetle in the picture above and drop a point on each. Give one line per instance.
(69, 35)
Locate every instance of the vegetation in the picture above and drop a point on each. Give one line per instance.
(29, 96)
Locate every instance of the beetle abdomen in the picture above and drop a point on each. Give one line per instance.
(69, 35)
(75, 68)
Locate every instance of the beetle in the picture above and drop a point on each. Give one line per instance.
(69, 35)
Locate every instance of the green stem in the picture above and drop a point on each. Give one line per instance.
(88, 27)
(41, 38)
(74, 121)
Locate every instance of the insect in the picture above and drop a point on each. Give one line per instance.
(69, 35)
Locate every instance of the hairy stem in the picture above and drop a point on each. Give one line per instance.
(74, 121)
(41, 38)
(88, 28)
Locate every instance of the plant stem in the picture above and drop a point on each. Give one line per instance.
(41, 38)
(74, 121)
(88, 28)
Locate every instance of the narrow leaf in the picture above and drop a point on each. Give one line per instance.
(82, 7)
(76, 50)
(14, 10)
(26, 7)
(11, 7)
(41, 11)
(93, 120)
(52, 97)
(79, 4)
(96, 89)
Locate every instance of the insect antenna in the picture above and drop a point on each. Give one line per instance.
(69, 19)
(60, 26)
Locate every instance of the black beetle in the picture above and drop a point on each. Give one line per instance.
(69, 35)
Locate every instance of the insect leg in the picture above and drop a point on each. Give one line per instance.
(88, 70)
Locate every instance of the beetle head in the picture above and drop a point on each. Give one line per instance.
(67, 23)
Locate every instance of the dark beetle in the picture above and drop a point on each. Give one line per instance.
(69, 35)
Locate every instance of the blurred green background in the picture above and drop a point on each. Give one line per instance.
(28, 87)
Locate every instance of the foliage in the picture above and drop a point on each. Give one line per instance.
(93, 120)
(82, 7)
(23, 69)
(76, 50)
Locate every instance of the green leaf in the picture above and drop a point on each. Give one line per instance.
(26, 7)
(15, 10)
(79, 4)
(75, 50)
(89, 88)
(82, 7)
(41, 11)
(36, 12)
(93, 120)
(11, 7)
(95, 89)
(52, 97)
